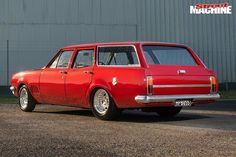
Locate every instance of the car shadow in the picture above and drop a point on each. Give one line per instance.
(133, 116)
(141, 117)
(217, 106)
(86, 113)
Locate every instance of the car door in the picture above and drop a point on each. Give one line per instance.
(79, 77)
(52, 79)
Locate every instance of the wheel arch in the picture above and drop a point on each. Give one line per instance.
(21, 82)
(19, 87)
(94, 88)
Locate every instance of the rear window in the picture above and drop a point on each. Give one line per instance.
(168, 55)
(117, 56)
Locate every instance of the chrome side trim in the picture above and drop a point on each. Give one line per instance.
(173, 98)
(181, 86)
(12, 89)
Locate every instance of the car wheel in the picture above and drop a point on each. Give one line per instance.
(103, 106)
(26, 101)
(168, 111)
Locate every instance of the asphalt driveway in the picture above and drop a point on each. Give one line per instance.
(206, 130)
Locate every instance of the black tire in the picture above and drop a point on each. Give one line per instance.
(29, 104)
(168, 111)
(112, 112)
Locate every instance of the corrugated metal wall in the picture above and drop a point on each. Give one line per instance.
(213, 37)
(36, 29)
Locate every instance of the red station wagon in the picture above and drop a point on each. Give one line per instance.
(109, 77)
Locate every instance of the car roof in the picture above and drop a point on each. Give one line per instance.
(121, 43)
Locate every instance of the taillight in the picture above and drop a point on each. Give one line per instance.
(213, 84)
(149, 85)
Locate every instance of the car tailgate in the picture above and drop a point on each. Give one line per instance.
(179, 79)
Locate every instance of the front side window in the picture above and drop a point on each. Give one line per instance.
(84, 58)
(168, 55)
(54, 63)
(117, 56)
(64, 59)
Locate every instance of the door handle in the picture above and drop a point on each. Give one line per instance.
(63, 72)
(88, 72)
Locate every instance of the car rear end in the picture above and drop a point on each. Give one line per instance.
(175, 76)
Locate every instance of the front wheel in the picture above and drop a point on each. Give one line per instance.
(26, 101)
(103, 106)
(168, 111)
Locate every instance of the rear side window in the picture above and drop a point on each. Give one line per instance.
(168, 55)
(117, 56)
(84, 58)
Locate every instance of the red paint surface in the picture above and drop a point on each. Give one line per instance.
(74, 87)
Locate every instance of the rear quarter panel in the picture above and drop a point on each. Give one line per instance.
(130, 83)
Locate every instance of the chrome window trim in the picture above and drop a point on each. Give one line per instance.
(131, 65)
(182, 86)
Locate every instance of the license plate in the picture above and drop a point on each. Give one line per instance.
(183, 103)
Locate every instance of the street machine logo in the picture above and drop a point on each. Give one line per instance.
(222, 8)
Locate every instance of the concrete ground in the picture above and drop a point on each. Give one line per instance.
(206, 130)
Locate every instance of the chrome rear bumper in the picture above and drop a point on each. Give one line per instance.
(173, 98)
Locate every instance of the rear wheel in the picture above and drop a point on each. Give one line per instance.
(103, 107)
(26, 101)
(168, 111)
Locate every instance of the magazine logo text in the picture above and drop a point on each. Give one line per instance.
(222, 8)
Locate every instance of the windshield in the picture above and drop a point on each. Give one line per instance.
(168, 55)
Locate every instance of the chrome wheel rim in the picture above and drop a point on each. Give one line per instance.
(101, 101)
(23, 98)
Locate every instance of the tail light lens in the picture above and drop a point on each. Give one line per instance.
(149, 85)
(213, 84)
